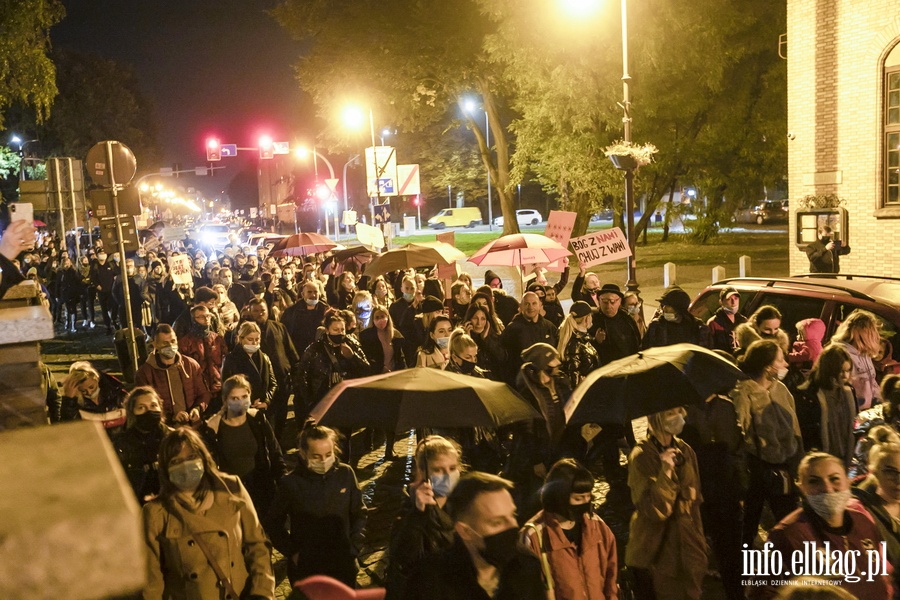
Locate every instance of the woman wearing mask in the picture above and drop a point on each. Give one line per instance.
(826, 407)
(138, 446)
(381, 292)
(435, 351)
(226, 309)
(423, 527)
(491, 353)
(825, 518)
(88, 292)
(243, 443)
(328, 361)
(288, 283)
(674, 324)
(202, 515)
(634, 308)
(464, 355)
(92, 396)
(764, 324)
(68, 289)
(586, 288)
(879, 493)
(326, 510)
(666, 546)
(860, 336)
(772, 435)
(578, 354)
(577, 549)
(362, 308)
(252, 363)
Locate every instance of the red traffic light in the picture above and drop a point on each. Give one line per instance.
(322, 192)
(266, 147)
(213, 150)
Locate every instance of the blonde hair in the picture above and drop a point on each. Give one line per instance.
(430, 448)
(80, 372)
(248, 327)
(879, 452)
(460, 340)
(862, 330)
(566, 331)
(812, 458)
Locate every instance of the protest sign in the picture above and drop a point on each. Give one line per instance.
(559, 229)
(180, 269)
(601, 247)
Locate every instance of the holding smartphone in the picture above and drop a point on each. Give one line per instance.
(21, 211)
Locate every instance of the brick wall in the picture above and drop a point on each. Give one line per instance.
(835, 53)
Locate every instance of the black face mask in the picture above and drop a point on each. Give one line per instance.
(576, 511)
(466, 366)
(501, 548)
(148, 421)
(336, 339)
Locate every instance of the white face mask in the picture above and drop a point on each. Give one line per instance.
(251, 348)
(670, 317)
(674, 424)
(829, 504)
(730, 309)
(442, 342)
(321, 466)
(781, 373)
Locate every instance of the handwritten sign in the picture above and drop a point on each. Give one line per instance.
(601, 247)
(180, 269)
(559, 229)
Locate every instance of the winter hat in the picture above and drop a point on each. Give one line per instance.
(675, 297)
(539, 355)
(580, 309)
(611, 288)
(489, 276)
(813, 330)
(431, 304)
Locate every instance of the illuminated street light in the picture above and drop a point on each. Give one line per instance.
(580, 9)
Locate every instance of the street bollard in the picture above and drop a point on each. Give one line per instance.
(669, 274)
(745, 263)
(718, 273)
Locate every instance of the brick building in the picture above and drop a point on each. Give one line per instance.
(844, 127)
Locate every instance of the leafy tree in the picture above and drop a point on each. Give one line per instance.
(27, 75)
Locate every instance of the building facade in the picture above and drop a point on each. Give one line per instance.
(844, 129)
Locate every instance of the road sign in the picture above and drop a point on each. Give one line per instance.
(129, 233)
(382, 213)
(166, 171)
(124, 163)
(102, 202)
(382, 159)
(228, 150)
(281, 147)
(408, 176)
(332, 184)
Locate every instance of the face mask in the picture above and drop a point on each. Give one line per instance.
(148, 421)
(364, 311)
(781, 373)
(582, 328)
(251, 348)
(829, 504)
(95, 394)
(238, 407)
(670, 317)
(467, 366)
(311, 301)
(381, 292)
(577, 511)
(409, 297)
(101, 257)
(730, 310)
(444, 484)
(187, 475)
(500, 548)
(321, 466)
(336, 338)
(674, 424)
(442, 342)
(633, 310)
(168, 352)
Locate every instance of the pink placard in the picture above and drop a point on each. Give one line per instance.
(560, 224)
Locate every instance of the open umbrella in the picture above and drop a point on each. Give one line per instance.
(422, 254)
(301, 244)
(419, 397)
(38, 223)
(519, 249)
(334, 264)
(650, 381)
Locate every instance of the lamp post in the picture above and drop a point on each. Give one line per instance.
(301, 153)
(631, 285)
(470, 106)
(353, 118)
(22, 144)
(344, 179)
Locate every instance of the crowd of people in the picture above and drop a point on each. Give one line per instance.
(505, 513)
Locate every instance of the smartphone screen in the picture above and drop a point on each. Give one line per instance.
(21, 211)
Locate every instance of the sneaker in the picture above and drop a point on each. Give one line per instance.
(72, 330)
(92, 325)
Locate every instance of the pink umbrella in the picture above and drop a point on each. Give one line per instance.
(301, 244)
(519, 249)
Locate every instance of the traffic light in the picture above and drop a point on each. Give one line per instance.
(266, 147)
(417, 201)
(322, 192)
(213, 150)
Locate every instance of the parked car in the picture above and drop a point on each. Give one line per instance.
(258, 240)
(467, 216)
(525, 216)
(771, 211)
(828, 297)
(216, 235)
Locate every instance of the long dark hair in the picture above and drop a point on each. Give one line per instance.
(170, 447)
(759, 357)
(826, 372)
(430, 344)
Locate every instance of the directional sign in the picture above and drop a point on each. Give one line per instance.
(386, 186)
(281, 148)
(381, 164)
(408, 176)
(228, 150)
(382, 213)
(332, 184)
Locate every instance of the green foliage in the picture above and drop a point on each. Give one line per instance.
(27, 75)
(9, 162)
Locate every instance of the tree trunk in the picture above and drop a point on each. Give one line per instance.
(668, 217)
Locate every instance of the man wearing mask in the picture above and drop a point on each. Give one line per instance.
(615, 333)
(586, 288)
(727, 318)
(825, 253)
(237, 292)
(302, 318)
(177, 379)
(675, 324)
(206, 346)
(485, 560)
(526, 329)
(103, 274)
(208, 298)
(276, 343)
(137, 295)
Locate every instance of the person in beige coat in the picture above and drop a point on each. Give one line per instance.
(666, 546)
(202, 529)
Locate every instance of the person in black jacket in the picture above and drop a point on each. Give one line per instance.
(138, 445)
(68, 290)
(277, 345)
(137, 295)
(302, 318)
(382, 344)
(526, 329)
(479, 324)
(327, 514)
(103, 273)
(243, 443)
(485, 560)
(675, 324)
(248, 360)
(91, 395)
(825, 253)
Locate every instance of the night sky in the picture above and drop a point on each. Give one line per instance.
(210, 67)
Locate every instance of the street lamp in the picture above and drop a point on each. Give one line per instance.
(22, 144)
(354, 119)
(470, 107)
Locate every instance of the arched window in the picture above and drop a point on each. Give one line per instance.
(892, 128)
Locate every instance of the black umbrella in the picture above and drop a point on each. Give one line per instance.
(651, 381)
(334, 264)
(422, 397)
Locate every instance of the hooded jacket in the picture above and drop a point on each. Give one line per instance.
(184, 372)
(809, 348)
(745, 334)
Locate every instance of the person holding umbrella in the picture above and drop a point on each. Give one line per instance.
(423, 527)
(666, 546)
(326, 510)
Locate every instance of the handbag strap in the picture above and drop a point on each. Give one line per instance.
(550, 587)
(220, 574)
